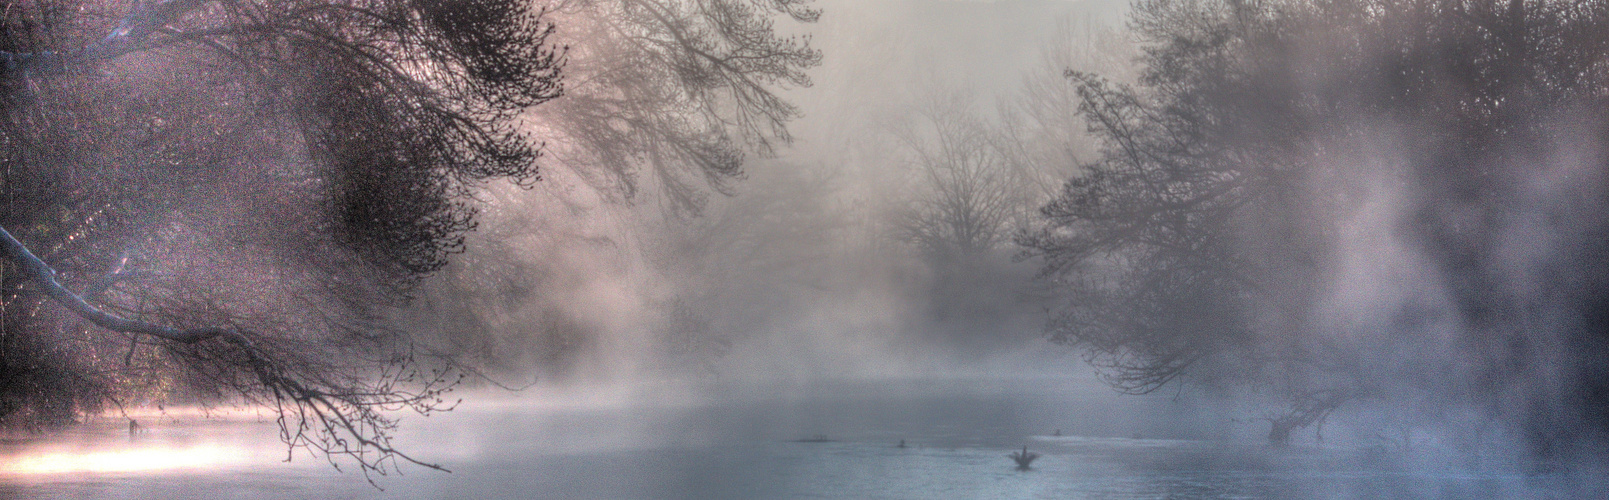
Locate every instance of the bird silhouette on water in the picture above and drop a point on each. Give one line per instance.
(1023, 458)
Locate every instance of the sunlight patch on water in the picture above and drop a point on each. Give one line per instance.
(142, 459)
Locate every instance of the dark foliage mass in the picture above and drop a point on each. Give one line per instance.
(1348, 200)
(249, 180)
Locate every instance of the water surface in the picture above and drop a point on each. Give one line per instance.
(755, 444)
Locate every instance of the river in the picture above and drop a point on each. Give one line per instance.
(830, 440)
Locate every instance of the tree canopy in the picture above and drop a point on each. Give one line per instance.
(1343, 200)
(222, 193)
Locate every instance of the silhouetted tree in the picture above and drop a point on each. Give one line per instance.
(965, 195)
(1345, 199)
(211, 199)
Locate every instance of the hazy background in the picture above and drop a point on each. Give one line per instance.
(647, 339)
(799, 275)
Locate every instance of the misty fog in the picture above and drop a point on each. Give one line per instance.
(801, 273)
(1173, 249)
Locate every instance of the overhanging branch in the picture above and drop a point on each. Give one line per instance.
(41, 273)
(337, 411)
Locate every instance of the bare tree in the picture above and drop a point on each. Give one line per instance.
(965, 195)
(963, 200)
(978, 177)
(680, 91)
(1041, 131)
(226, 192)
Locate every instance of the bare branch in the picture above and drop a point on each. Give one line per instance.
(45, 276)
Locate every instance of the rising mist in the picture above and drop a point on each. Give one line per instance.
(865, 248)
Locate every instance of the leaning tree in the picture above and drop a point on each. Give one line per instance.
(1345, 200)
(213, 200)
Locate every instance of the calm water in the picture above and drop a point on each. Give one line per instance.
(746, 446)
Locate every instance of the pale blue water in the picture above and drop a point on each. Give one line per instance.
(957, 436)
